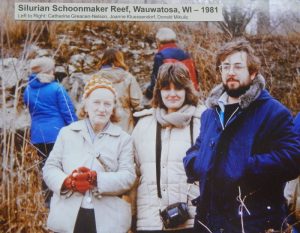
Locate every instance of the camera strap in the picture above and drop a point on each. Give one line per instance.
(158, 152)
(158, 157)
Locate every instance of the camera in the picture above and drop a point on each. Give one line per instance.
(174, 215)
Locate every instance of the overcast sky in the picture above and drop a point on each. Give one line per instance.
(284, 5)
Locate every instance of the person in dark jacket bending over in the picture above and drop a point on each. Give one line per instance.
(169, 52)
(246, 151)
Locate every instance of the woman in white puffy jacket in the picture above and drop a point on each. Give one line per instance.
(167, 131)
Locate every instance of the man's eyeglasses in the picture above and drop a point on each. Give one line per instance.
(237, 68)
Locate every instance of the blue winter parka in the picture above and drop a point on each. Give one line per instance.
(50, 109)
(252, 157)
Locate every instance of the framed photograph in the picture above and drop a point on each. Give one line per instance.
(75, 36)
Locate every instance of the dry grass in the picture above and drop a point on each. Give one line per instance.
(21, 203)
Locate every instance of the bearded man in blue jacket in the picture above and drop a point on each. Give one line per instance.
(246, 151)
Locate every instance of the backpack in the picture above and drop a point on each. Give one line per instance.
(191, 68)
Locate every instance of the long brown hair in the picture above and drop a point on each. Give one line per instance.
(179, 75)
(114, 58)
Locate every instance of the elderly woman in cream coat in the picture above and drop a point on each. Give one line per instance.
(90, 167)
(176, 109)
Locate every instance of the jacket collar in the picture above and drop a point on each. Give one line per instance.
(111, 130)
(246, 99)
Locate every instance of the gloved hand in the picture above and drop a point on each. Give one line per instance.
(81, 180)
(87, 174)
(68, 183)
(82, 186)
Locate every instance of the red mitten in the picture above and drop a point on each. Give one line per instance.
(81, 180)
(83, 169)
(82, 186)
(81, 176)
(68, 182)
(86, 174)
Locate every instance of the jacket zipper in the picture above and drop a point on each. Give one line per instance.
(223, 126)
(232, 115)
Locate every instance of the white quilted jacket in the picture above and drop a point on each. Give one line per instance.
(175, 143)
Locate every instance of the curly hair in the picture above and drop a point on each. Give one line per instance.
(177, 74)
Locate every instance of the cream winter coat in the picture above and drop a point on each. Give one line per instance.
(129, 96)
(174, 188)
(115, 175)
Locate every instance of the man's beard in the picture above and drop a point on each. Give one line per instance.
(237, 92)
